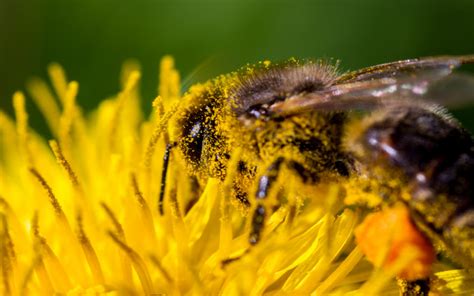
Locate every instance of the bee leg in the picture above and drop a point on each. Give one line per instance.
(241, 197)
(164, 172)
(264, 185)
(245, 175)
(414, 288)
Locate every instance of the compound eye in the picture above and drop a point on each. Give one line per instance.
(192, 143)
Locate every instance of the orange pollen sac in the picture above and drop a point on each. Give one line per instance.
(386, 235)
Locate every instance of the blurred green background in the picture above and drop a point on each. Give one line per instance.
(91, 38)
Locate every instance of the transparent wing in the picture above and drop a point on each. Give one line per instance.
(440, 65)
(367, 95)
(454, 91)
(427, 87)
(391, 84)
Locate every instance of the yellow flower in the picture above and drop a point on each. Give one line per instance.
(79, 214)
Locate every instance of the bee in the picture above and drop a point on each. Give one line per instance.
(298, 116)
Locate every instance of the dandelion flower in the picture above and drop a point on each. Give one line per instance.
(79, 213)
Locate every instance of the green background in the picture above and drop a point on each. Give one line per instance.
(91, 38)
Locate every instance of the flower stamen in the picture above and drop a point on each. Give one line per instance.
(59, 81)
(22, 124)
(145, 209)
(156, 134)
(89, 252)
(52, 198)
(67, 117)
(137, 262)
(8, 257)
(46, 103)
(52, 265)
(65, 164)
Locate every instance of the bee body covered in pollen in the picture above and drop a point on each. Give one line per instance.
(381, 123)
(232, 112)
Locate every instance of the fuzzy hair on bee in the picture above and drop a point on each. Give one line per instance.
(233, 111)
(379, 125)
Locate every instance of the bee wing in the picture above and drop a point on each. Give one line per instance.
(454, 91)
(425, 88)
(367, 95)
(441, 65)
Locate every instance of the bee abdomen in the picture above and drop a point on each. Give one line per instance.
(434, 155)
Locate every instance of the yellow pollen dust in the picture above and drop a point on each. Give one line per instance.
(79, 213)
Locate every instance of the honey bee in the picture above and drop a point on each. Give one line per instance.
(298, 116)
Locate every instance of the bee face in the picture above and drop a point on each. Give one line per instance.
(297, 115)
